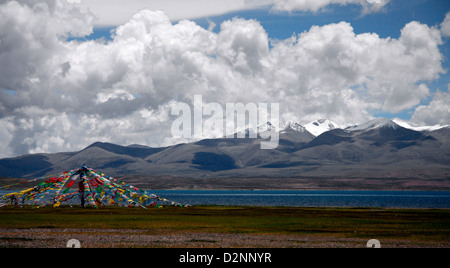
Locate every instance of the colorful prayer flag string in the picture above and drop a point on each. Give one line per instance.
(94, 189)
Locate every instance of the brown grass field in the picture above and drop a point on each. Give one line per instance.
(224, 227)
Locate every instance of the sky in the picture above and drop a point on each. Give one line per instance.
(74, 72)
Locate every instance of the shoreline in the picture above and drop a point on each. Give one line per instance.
(12, 189)
(273, 183)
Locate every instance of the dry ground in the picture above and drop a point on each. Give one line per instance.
(102, 238)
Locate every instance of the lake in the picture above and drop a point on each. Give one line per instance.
(400, 199)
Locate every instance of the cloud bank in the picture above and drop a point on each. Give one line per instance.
(115, 12)
(368, 6)
(60, 95)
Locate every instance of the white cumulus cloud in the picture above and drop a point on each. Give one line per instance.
(115, 12)
(445, 26)
(60, 95)
(437, 112)
(316, 5)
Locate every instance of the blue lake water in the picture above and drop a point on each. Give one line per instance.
(312, 198)
(400, 199)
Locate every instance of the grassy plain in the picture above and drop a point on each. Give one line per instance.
(395, 227)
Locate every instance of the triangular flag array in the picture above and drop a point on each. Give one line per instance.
(92, 189)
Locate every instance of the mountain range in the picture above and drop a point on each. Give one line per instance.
(379, 149)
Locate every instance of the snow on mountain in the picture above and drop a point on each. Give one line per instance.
(315, 128)
(291, 125)
(321, 126)
(282, 127)
(267, 127)
(376, 123)
(395, 123)
(415, 127)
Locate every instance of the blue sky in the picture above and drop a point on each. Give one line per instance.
(282, 25)
(387, 23)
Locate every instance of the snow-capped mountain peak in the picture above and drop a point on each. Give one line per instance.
(282, 127)
(416, 127)
(267, 127)
(376, 123)
(321, 126)
(291, 125)
(318, 127)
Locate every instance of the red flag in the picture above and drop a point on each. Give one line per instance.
(70, 184)
(99, 181)
(93, 183)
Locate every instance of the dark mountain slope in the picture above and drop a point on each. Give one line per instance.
(379, 148)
